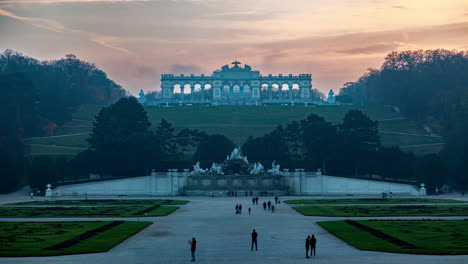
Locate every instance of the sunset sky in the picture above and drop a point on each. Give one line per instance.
(136, 41)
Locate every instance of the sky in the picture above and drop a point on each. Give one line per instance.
(134, 42)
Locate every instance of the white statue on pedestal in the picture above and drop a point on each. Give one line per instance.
(48, 192)
(422, 190)
(197, 169)
(275, 169)
(215, 168)
(258, 168)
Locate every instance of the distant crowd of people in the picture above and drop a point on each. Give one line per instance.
(246, 193)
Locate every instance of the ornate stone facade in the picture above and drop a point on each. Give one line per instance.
(236, 85)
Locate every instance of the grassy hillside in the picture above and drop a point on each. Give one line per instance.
(239, 122)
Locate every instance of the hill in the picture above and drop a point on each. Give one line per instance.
(239, 122)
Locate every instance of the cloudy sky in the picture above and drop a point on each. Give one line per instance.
(135, 41)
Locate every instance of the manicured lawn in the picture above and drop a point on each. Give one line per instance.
(447, 237)
(114, 211)
(372, 201)
(23, 239)
(104, 202)
(384, 210)
(390, 139)
(53, 150)
(238, 122)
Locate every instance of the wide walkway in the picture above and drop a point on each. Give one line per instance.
(224, 237)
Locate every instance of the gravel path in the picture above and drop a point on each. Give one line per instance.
(224, 237)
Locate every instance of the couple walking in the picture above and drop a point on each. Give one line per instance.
(310, 244)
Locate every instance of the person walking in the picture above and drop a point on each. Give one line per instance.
(269, 205)
(250, 209)
(276, 199)
(32, 195)
(254, 240)
(313, 244)
(193, 248)
(307, 246)
(253, 200)
(272, 208)
(264, 205)
(237, 208)
(240, 208)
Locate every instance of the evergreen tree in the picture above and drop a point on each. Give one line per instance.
(213, 148)
(359, 139)
(122, 141)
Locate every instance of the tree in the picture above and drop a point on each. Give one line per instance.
(19, 117)
(213, 148)
(46, 170)
(359, 139)
(165, 134)
(319, 138)
(431, 170)
(122, 141)
(268, 148)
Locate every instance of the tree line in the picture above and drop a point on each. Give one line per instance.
(430, 87)
(37, 98)
(123, 143)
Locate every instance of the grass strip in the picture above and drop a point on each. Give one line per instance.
(372, 201)
(86, 235)
(382, 235)
(103, 202)
(383, 210)
(429, 237)
(25, 239)
(120, 211)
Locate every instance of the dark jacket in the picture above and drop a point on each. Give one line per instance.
(254, 235)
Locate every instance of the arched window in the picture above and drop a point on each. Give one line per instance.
(226, 89)
(177, 89)
(187, 89)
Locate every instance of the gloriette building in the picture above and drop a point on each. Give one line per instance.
(236, 85)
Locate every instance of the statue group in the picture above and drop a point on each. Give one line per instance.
(236, 157)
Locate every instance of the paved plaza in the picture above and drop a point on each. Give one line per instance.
(224, 237)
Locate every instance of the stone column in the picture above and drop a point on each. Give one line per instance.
(202, 92)
(192, 94)
(270, 92)
(290, 93)
(280, 91)
(182, 95)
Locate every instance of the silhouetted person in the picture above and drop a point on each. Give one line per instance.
(237, 208)
(307, 246)
(254, 240)
(269, 205)
(240, 208)
(272, 208)
(253, 201)
(313, 243)
(264, 206)
(276, 199)
(32, 195)
(250, 209)
(193, 248)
